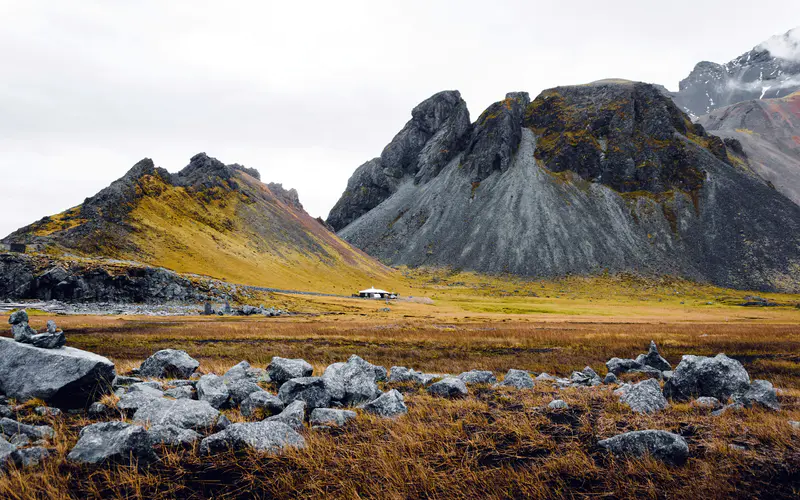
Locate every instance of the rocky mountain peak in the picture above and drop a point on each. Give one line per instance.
(289, 197)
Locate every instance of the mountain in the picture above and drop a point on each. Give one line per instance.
(605, 177)
(211, 219)
(769, 132)
(769, 70)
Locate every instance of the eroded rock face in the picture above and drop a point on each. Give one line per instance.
(645, 397)
(266, 437)
(64, 378)
(661, 445)
(282, 369)
(720, 377)
(389, 404)
(169, 363)
(113, 442)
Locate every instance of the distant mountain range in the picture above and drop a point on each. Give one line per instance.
(769, 70)
(212, 219)
(605, 177)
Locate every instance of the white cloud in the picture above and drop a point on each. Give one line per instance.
(786, 46)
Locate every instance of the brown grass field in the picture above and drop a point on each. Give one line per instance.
(496, 443)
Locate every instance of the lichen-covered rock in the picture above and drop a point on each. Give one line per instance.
(645, 397)
(478, 377)
(662, 445)
(270, 404)
(352, 382)
(169, 363)
(184, 413)
(282, 369)
(610, 378)
(449, 388)
(266, 437)
(182, 392)
(172, 435)
(389, 404)
(403, 374)
(330, 417)
(212, 389)
(720, 377)
(519, 379)
(558, 404)
(293, 415)
(760, 393)
(64, 378)
(312, 390)
(113, 442)
(130, 402)
(242, 388)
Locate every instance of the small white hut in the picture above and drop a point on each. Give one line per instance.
(376, 293)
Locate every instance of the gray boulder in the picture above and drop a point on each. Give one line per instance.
(622, 389)
(11, 428)
(449, 388)
(117, 442)
(7, 451)
(293, 415)
(240, 389)
(352, 382)
(147, 388)
(725, 409)
(172, 435)
(130, 402)
(328, 417)
(645, 397)
(720, 377)
(586, 377)
(184, 413)
(558, 404)
(610, 378)
(402, 374)
(760, 393)
(545, 377)
(281, 370)
(519, 379)
(381, 373)
(312, 390)
(46, 411)
(98, 410)
(654, 359)
(20, 328)
(266, 437)
(618, 366)
(30, 457)
(64, 378)
(707, 402)
(182, 392)
(389, 404)
(169, 363)
(121, 381)
(478, 377)
(662, 445)
(212, 389)
(5, 411)
(238, 372)
(263, 400)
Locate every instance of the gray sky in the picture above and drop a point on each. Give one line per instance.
(304, 91)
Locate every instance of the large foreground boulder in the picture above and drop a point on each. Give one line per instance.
(184, 413)
(267, 437)
(645, 397)
(66, 378)
(169, 363)
(118, 442)
(719, 377)
(352, 382)
(662, 445)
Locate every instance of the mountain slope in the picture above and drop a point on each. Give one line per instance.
(769, 70)
(769, 132)
(209, 219)
(609, 176)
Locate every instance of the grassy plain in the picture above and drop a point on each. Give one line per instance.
(496, 443)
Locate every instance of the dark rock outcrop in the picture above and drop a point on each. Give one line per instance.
(64, 377)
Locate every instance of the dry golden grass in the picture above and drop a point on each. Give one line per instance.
(496, 443)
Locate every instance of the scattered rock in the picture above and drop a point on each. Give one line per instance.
(10, 428)
(558, 404)
(172, 435)
(5, 411)
(586, 377)
(293, 415)
(169, 363)
(720, 377)
(118, 442)
(654, 359)
(45, 411)
(266, 436)
(185, 413)
(622, 389)
(212, 389)
(30, 457)
(727, 408)
(795, 424)
(98, 410)
(389, 404)
(132, 401)
(618, 366)
(545, 377)
(146, 388)
(352, 382)
(64, 378)
(7, 451)
(239, 371)
(328, 417)
(707, 402)
(662, 445)
(519, 379)
(402, 374)
(281, 370)
(610, 378)
(269, 403)
(760, 393)
(23, 333)
(478, 377)
(120, 381)
(312, 390)
(645, 397)
(381, 374)
(449, 388)
(240, 389)
(182, 392)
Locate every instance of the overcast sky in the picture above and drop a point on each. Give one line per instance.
(304, 91)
